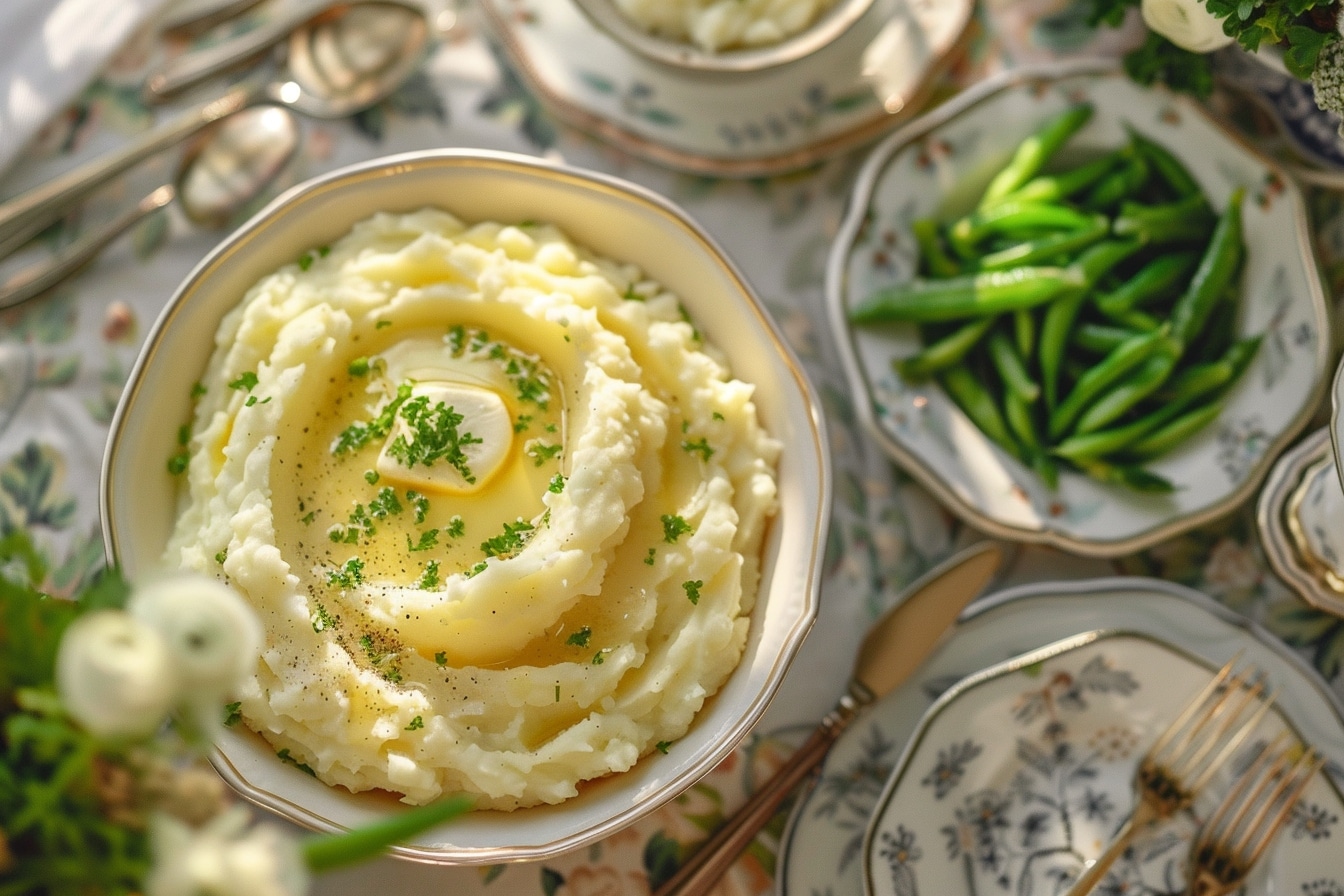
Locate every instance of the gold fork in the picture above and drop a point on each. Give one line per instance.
(1250, 816)
(1185, 757)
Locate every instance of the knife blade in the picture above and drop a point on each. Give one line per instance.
(891, 651)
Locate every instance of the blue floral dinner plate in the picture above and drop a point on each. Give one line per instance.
(1021, 774)
(821, 853)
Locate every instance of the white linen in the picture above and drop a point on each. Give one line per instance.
(49, 51)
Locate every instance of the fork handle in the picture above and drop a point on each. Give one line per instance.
(1093, 874)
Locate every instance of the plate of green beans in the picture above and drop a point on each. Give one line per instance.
(1079, 310)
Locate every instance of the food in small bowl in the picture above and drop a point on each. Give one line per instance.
(724, 36)
(1079, 310)
(516, 525)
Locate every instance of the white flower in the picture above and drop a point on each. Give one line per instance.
(114, 675)
(1186, 23)
(212, 634)
(224, 858)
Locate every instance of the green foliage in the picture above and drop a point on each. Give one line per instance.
(1160, 61)
(51, 816)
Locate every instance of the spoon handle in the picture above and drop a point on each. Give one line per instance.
(33, 281)
(24, 216)
(195, 66)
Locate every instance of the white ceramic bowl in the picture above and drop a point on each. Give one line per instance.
(614, 219)
(834, 21)
(936, 166)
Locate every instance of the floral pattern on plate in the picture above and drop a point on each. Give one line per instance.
(936, 167)
(822, 851)
(1022, 773)
(744, 125)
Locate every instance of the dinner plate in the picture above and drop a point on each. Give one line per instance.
(1021, 774)
(751, 124)
(821, 850)
(1300, 517)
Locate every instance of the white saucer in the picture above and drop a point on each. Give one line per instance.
(740, 125)
(822, 847)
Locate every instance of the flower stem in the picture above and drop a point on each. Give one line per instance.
(328, 851)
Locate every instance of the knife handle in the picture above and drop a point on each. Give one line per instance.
(708, 863)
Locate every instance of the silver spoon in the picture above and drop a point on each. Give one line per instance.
(224, 171)
(335, 67)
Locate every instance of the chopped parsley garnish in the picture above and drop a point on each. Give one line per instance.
(358, 367)
(699, 446)
(456, 528)
(648, 558)
(357, 435)
(378, 657)
(630, 295)
(557, 484)
(381, 324)
(427, 540)
(435, 437)
(371, 477)
(285, 756)
(221, 557)
(441, 658)
(477, 569)
(197, 390)
(178, 463)
(349, 575)
(247, 381)
(522, 423)
(514, 537)
(323, 620)
(307, 518)
(416, 724)
(429, 579)
(541, 451)
(662, 746)
(716, 415)
(600, 657)
(692, 588)
(385, 503)
(580, 637)
(419, 504)
(233, 713)
(674, 527)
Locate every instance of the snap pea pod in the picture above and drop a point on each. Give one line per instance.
(1106, 442)
(933, 256)
(1059, 318)
(966, 295)
(1134, 477)
(1217, 268)
(1047, 248)
(1033, 152)
(979, 405)
(1168, 167)
(945, 352)
(1164, 439)
(1161, 277)
(1134, 319)
(1119, 185)
(1024, 331)
(1015, 219)
(1060, 186)
(1096, 379)
(1145, 380)
(1200, 379)
(1186, 220)
(1011, 368)
(1022, 423)
(1100, 339)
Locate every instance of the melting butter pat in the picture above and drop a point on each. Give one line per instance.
(442, 452)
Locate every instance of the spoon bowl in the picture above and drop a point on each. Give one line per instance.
(333, 67)
(221, 177)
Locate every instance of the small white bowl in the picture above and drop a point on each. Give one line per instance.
(613, 218)
(833, 22)
(936, 166)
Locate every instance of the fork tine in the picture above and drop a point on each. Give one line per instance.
(1196, 705)
(1213, 726)
(1252, 698)
(1289, 783)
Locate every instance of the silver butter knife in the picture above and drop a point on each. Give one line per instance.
(892, 650)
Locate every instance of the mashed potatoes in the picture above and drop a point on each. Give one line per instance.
(498, 506)
(724, 24)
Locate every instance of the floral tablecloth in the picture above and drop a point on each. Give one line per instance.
(64, 359)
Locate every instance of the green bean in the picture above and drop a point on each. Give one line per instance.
(933, 256)
(1162, 440)
(1033, 152)
(1217, 268)
(1157, 279)
(1145, 380)
(1012, 370)
(1167, 166)
(1187, 220)
(1017, 413)
(1055, 187)
(1134, 319)
(1200, 379)
(945, 352)
(1101, 338)
(966, 295)
(1016, 219)
(977, 404)
(1046, 248)
(1096, 379)
(1024, 331)
(1102, 257)
(1134, 477)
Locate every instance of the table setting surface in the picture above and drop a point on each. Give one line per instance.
(1209, 590)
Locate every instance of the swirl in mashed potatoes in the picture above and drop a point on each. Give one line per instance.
(498, 505)
(716, 25)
